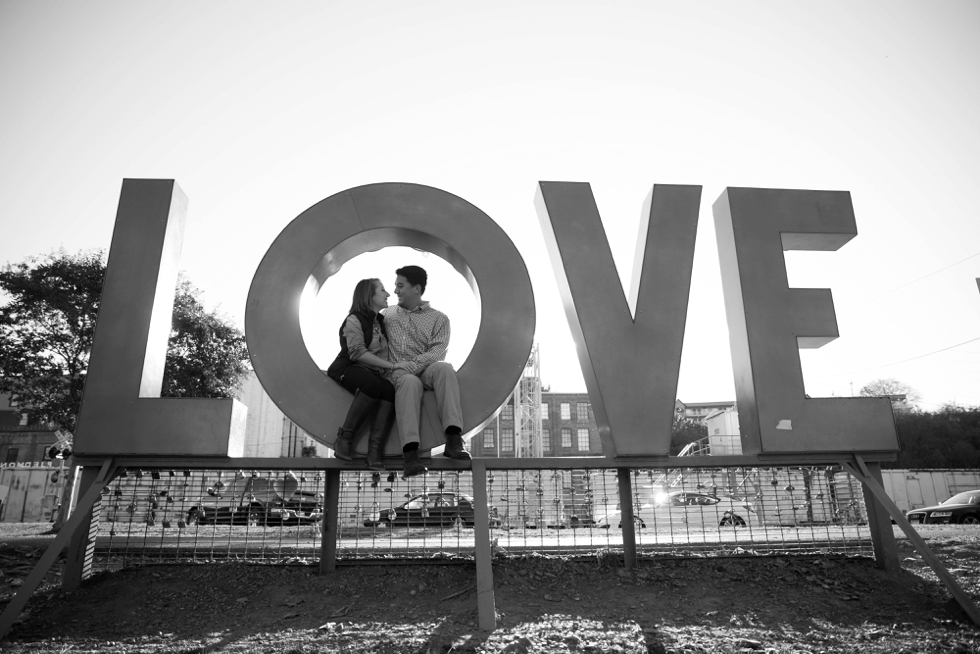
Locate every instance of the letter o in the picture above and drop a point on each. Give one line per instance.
(318, 242)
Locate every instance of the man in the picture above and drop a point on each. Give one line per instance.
(419, 336)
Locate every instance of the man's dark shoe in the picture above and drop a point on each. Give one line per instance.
(454, 448)
(413, 466)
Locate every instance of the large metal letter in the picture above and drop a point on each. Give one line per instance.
(768, 322)
(630, 361)
(122, 411)
(320, 240)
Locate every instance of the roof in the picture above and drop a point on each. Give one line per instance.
(726, 403)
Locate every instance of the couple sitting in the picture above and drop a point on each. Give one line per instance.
(387, 360)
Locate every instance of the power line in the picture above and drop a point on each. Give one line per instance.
(921, 356)
(871, 299)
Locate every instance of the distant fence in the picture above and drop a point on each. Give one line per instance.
(30, 492)
(914, 489)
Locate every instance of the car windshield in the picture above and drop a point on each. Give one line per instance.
(970, 497)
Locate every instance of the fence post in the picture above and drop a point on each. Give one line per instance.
(485, 605)
(330, 529)
(626, 517)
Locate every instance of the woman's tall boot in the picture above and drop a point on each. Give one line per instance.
(360, 409)
(378, 436)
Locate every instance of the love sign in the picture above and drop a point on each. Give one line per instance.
(629, 348)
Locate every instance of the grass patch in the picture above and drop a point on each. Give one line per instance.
(15, 530)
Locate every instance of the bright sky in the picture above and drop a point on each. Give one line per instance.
(259, 110)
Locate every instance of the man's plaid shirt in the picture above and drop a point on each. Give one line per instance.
(420, 336)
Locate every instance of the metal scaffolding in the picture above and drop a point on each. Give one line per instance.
(527, 409)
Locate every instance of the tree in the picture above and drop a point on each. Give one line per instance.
(206, 356)
(47, 326)
(893, 387)
(46, 332)
(685, 431)
(948, 438)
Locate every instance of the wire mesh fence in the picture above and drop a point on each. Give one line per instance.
(275, 516)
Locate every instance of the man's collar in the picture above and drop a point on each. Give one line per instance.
(422, 307)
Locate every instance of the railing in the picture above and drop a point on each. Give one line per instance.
(171, 515)
(811, 503)
(700, 447)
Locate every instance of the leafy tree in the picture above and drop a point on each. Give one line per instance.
(886, 387)
(685, 431)
(948, 438)
(46, 331)
(206, 356)
(47, 326)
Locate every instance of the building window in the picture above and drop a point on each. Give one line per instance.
(507, 440)
(566, 411)
(545, 411)
(583, 440)
(566, 437)
(583, 411)
(488, 437)
(12, 455)
(23, 419)
(545, 441)
(508, 412)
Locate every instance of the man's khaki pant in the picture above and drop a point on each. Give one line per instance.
(438, 377)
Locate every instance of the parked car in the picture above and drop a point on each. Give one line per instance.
(256, 500)
(962, 508)
(680, 508)
(430, 510)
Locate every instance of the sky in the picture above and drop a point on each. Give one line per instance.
(259, 110)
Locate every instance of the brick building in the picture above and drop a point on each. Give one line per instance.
(23, 441)
(567, 429)
(701, 410)
(31, 483)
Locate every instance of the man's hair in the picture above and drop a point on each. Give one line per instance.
(416, 276)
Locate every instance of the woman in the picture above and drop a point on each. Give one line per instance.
(362, 367)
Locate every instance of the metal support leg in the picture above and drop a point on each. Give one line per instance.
(331, 522)
(880, 524)
(82, 514)
(78, 565)
(485, 604)
(626, 517)
(860, 471)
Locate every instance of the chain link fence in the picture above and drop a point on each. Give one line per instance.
(274, 516)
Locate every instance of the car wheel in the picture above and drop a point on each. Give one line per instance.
(970, 520)
(732, 521)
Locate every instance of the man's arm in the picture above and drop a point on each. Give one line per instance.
(438, 345)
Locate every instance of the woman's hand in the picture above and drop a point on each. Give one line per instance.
(401, 365)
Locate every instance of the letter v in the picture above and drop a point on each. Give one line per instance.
(629, 351)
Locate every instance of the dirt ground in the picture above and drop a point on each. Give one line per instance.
(544, 604)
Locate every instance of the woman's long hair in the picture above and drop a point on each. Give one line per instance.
(362, 297)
